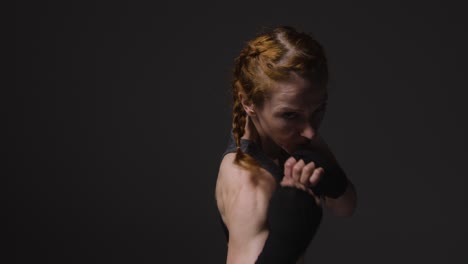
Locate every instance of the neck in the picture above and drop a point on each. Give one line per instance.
(268, 146)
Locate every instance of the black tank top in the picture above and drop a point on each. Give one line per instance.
(251, 148)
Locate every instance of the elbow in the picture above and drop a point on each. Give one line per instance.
(345, 205)
(347, 211)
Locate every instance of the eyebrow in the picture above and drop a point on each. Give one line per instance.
(287, 108)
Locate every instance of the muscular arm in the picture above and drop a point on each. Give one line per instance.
(244, 203)
(245, 216)
(246, 206)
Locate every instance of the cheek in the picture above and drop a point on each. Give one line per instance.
(285, 132)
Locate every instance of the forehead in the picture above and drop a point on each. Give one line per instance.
(297, 93)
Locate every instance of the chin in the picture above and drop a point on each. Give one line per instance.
(291, 148)
(287, 148)
(302, 145)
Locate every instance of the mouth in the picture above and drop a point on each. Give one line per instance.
(305, 142)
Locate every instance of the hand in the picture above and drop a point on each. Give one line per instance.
(302, 176)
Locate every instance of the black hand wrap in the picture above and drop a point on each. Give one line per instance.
(334, 181)
(293, 219)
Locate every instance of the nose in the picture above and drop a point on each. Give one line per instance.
(308, 132)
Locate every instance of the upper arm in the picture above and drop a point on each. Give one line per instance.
(244, 202)
(245, 213)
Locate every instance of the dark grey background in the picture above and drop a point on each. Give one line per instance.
(121, 110)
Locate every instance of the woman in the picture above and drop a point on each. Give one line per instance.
(269, 197)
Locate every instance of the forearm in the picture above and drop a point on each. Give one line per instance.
(345, 204)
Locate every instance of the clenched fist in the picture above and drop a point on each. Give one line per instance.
(302, 176)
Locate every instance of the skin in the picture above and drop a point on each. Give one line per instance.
(289, 118)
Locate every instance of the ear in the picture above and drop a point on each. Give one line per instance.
(246, 104)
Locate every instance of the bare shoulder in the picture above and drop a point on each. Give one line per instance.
(242, 196)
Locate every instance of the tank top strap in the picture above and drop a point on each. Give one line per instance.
(251, 148)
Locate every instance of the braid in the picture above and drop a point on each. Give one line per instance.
(239, 119)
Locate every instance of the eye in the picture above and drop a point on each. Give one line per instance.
(320, 111)
(317, 117)
(289, 115)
